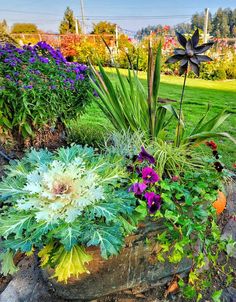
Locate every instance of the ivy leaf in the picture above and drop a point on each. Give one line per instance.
(216, 295)
(15, 224)
(193, 277)
(127, 226)
(8, 266)
(108, 238)
(70, 263)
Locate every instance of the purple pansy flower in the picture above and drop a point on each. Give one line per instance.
(138, 188)
(149, 175)
(144, 155)
(153, 202)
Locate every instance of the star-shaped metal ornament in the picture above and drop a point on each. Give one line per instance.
(190, 54)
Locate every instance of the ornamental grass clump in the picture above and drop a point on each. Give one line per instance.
(60, 203)
(38, 88)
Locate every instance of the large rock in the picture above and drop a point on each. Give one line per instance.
(135, 266)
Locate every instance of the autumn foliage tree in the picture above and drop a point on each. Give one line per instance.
(3, 27)
(104, 27)
(25, 28)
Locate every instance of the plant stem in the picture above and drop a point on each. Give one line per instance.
(180, 110)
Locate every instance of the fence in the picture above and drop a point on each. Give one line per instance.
(58, 40)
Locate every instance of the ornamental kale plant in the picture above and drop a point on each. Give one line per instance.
(60, 203)
(39, 87)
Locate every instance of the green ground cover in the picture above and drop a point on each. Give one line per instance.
(220, 94)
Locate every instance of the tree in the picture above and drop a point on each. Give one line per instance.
(220, 23)
(3, 27)
(231, 21)
(183, 28)
(146, 31)
(197, 21)
(25, 28)
(67, 25)
(104, 27)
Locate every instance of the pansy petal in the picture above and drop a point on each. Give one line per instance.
(179, 51)
(194, 68)
(174, 59)
(182, 40)
(202, 48)
(183, 69)
(202, 58)
(195, 38)
(194, 60)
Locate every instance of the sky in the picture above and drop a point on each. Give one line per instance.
(130, 15)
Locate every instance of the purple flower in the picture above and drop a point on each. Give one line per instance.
(144, 155)
(32, 60)
(28, 87)
(95, 93)
(83, 67)
(44, 60)
(149, 175)
(138, 188)
(153, 202)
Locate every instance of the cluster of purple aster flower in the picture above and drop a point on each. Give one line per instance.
(32, 66)
(146, 188)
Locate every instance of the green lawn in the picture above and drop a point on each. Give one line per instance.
(198, 93)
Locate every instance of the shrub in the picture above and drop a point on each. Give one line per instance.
(39, 87)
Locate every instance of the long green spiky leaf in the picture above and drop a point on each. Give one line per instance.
(201, 137)
(214, 123)
(157, 74)
(199, 124)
